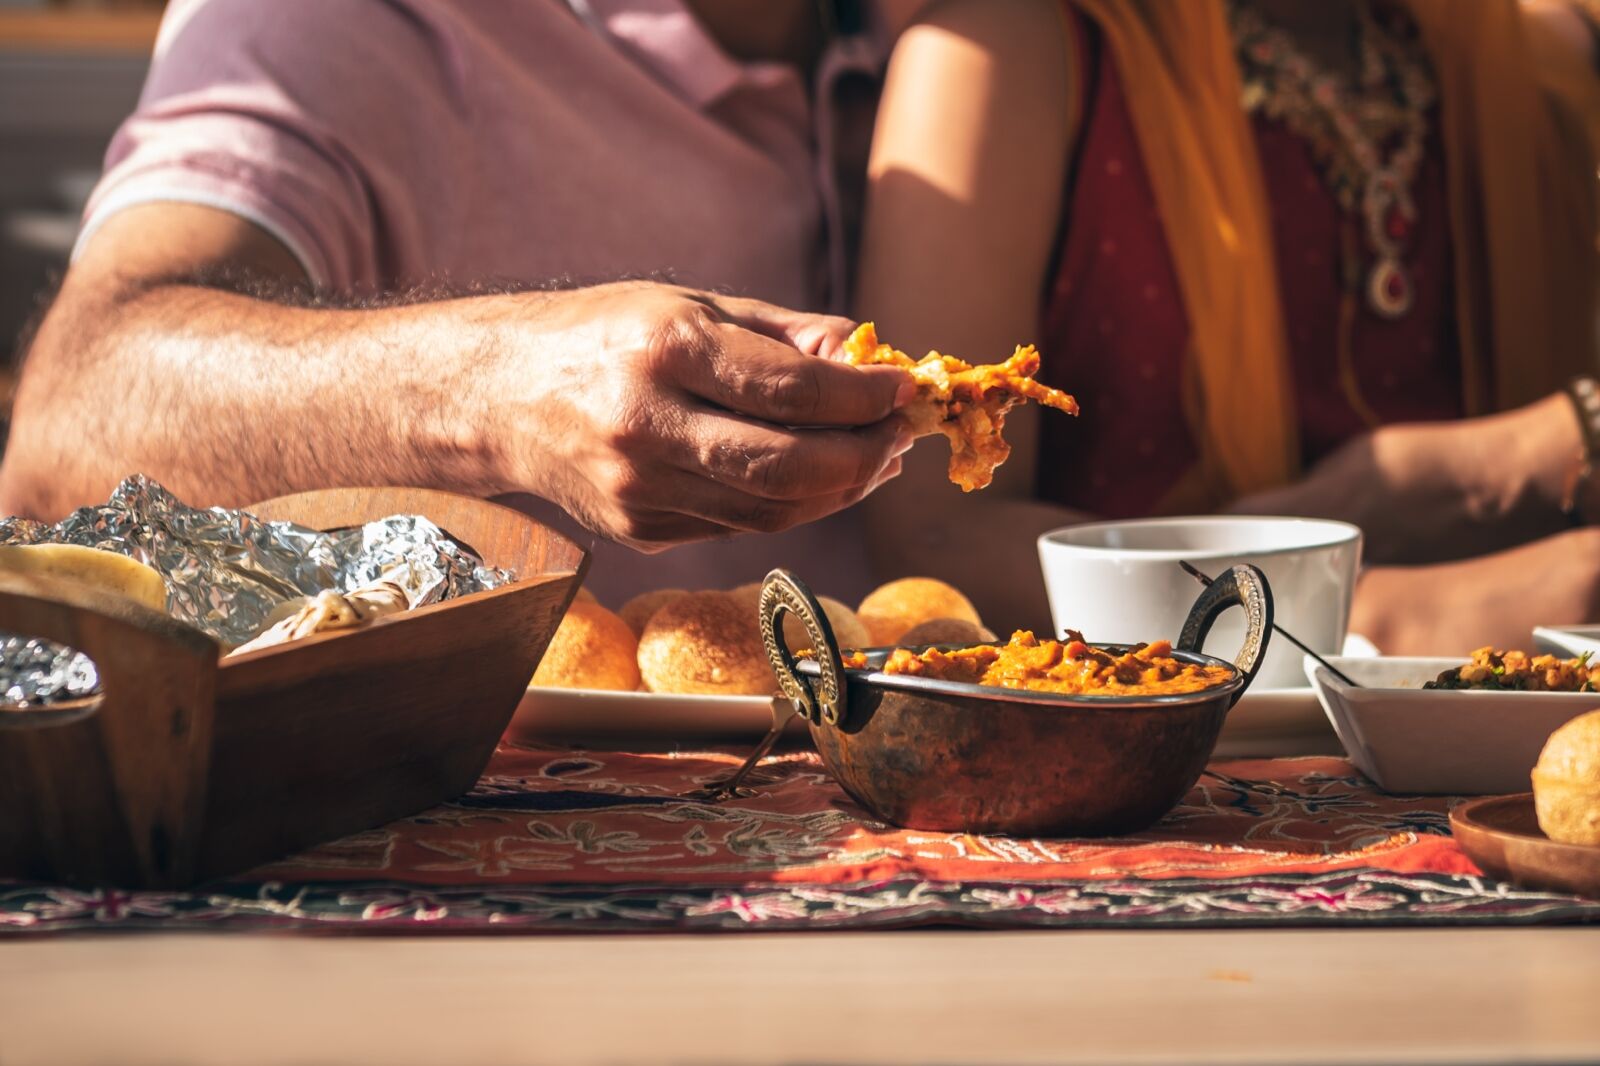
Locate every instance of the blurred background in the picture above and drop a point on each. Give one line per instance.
(69, 72)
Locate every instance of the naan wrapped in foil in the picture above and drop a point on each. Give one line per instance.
(227, 569)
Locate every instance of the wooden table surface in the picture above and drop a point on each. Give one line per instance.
(1393, 996)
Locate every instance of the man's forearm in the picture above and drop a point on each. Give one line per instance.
(226, 398)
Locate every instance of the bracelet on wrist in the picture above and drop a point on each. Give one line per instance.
(1584, 392)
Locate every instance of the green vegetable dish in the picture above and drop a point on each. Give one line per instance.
(1516, 671)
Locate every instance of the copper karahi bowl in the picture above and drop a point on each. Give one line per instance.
(926, 753)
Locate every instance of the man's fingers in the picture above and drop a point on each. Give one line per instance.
(659, 531)
(811, 334)
(777, 463)
(770, 380)
(703, 510)
(730, 510)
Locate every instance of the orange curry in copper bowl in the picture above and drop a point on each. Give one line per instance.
(1027, 737)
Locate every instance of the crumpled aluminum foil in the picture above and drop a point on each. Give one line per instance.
(226, 569)
(36, 671)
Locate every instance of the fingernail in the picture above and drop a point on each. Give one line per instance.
(904, 394)
(902, 443)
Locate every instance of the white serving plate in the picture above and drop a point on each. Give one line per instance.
(1263, 723)
(584, 713)
(1271, 722)
(1438, 741)
(1566, 641)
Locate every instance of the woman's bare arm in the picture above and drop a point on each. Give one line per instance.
(1437, 491)
(968, 169)
(1451, 608)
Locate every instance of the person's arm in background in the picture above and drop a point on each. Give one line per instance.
(1451, 608)
(1473, 507)
(653, 414)
(1466, 521)
(1449, 491)
(1442, 491)
(965, 184)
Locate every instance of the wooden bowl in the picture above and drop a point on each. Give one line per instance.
(941, 755)
(1502, 835)
(187, 768)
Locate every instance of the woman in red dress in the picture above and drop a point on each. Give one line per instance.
(1332, 258)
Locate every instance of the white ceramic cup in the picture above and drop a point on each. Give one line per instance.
(1120, 583)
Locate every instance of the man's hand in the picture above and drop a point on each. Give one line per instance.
(654, 414)
(658, 415)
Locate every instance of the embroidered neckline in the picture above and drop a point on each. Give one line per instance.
(1368, 138)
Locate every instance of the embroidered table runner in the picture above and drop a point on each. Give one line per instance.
(561, 840)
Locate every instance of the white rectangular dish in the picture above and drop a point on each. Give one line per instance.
(1566, 641)
(1438, 741)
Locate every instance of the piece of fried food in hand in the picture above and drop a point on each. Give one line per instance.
(889, 611)
(966, 403)
(705, 643)
(592, 648)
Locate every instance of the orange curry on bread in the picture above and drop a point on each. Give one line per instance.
(966, 403)
(1071, 667)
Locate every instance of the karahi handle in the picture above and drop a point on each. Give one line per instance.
(822, 702)
(1240, 586)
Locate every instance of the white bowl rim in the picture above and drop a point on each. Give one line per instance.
(1321, 678)
(1337, 533)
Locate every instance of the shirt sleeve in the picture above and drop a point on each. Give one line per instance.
(325, 123)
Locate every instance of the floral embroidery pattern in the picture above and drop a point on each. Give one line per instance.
(1352, 898)
(561, 840)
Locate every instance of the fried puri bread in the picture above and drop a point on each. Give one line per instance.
(1566, 782)
(890, 610)
(592, 648)
(848, 630)
(638, 611)
(705, 643)
(966, 403)
(945, 631)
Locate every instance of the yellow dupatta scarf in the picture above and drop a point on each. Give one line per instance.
(1520, 118)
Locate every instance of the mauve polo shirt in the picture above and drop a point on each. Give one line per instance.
(396, 143)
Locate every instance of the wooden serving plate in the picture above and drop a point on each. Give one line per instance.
(187, 768)
(1502, 835)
